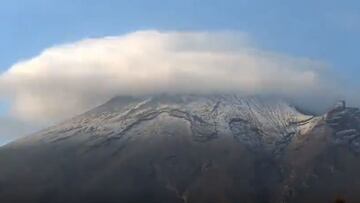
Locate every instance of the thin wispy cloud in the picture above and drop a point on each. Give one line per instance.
(68, 79)
(11, 128)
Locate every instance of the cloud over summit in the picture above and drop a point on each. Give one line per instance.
(68, 79)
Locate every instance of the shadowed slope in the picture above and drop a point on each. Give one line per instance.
(187, 148)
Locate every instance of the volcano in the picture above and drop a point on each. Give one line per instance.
(188, 149)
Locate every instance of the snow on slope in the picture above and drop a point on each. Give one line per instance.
(262, 122)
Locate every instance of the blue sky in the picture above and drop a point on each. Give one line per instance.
(326, 30)
(322, 29)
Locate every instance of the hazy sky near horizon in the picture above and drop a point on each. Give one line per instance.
(323, 30)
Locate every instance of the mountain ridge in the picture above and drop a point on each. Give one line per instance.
(188, 148)
(271, 116)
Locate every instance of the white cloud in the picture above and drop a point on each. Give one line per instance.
(68, 79)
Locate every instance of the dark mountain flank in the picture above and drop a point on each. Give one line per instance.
(188, 149)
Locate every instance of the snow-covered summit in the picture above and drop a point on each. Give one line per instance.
(255, 121)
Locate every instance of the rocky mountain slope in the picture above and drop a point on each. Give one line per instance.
(188, 148)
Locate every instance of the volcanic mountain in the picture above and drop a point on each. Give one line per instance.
(188, 149)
